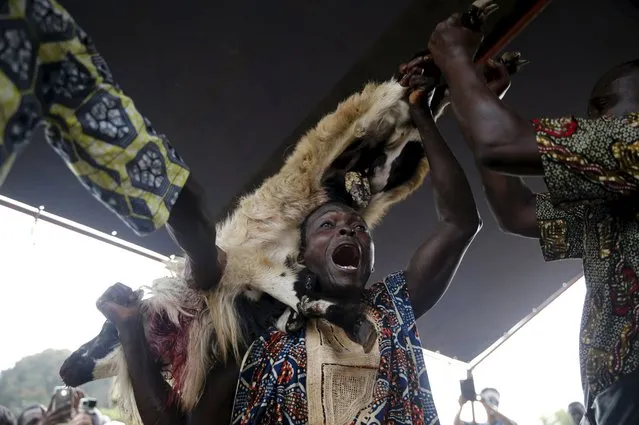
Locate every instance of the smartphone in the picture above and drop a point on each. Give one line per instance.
(61, 396)
(88, 404)
(468, 389)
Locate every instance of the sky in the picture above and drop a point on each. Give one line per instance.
(52, 276)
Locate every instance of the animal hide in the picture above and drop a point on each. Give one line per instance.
(261, 237)
(367, 154)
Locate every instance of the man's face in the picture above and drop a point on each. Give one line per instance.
(615, 95)
(491, 398)
(339, 250)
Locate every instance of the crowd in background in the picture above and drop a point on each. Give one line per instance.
(74, 412)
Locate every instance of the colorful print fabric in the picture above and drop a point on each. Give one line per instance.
(591, 212)
(271, 388)
(51, 74)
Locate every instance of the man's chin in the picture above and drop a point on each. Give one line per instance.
(346, 285)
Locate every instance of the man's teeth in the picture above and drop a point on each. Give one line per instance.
(347, 267)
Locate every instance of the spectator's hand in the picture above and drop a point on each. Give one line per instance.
(81, 419)
(60, 415)
(77, 396)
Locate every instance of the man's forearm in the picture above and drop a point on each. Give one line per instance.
(513, 204)
(453, 196)
(499, 138)
(151, 391)
(193, 230)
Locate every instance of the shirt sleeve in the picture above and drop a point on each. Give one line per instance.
(97, 130)
(561, 230)
(590, 160)
(397, 286)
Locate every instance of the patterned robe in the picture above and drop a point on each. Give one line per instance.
(591, 212)
(51, 74)
(273, 378)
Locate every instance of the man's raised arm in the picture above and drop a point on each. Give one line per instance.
(433, 265)
(98, 131)
(193, 229)
(152, 392)
(581, 159)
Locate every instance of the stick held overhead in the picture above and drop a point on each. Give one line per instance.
(406, 36)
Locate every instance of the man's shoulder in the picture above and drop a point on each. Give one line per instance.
(394, 284)
(391, 295)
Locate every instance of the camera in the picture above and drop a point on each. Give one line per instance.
(87, 405)
(61, 397)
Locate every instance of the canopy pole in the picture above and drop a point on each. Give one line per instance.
(501, 341)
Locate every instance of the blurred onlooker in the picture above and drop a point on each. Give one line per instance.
(94, 417)
(82, 419)
(489, 398)
(6, 417)
(65, 413)
(36, 414)
(576, 410)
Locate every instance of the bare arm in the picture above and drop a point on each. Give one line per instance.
(458, 420)
(500, 139)
(120, 306)
(218, 396)
(149, 387)
(581, 160)
(192, 228)
(151, 391)
(432, 267)
(512, 202)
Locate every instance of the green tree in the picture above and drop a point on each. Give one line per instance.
(32, 379)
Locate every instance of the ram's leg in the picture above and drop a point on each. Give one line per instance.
(350, 317)
(94, 360)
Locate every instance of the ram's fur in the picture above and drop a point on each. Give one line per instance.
(261, 239)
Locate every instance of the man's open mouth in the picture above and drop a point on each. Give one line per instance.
(346, 257)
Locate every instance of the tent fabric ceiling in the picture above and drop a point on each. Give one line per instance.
(227, 81)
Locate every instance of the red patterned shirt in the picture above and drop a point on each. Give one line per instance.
(591, 212)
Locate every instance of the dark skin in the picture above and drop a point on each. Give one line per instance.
(333, 226)
(504, 143)
(191, 227)
(61, 414)
(502, 140)
(493, 415)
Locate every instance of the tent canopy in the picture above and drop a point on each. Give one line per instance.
(232, 82)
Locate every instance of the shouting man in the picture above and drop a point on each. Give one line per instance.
(304, 377)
